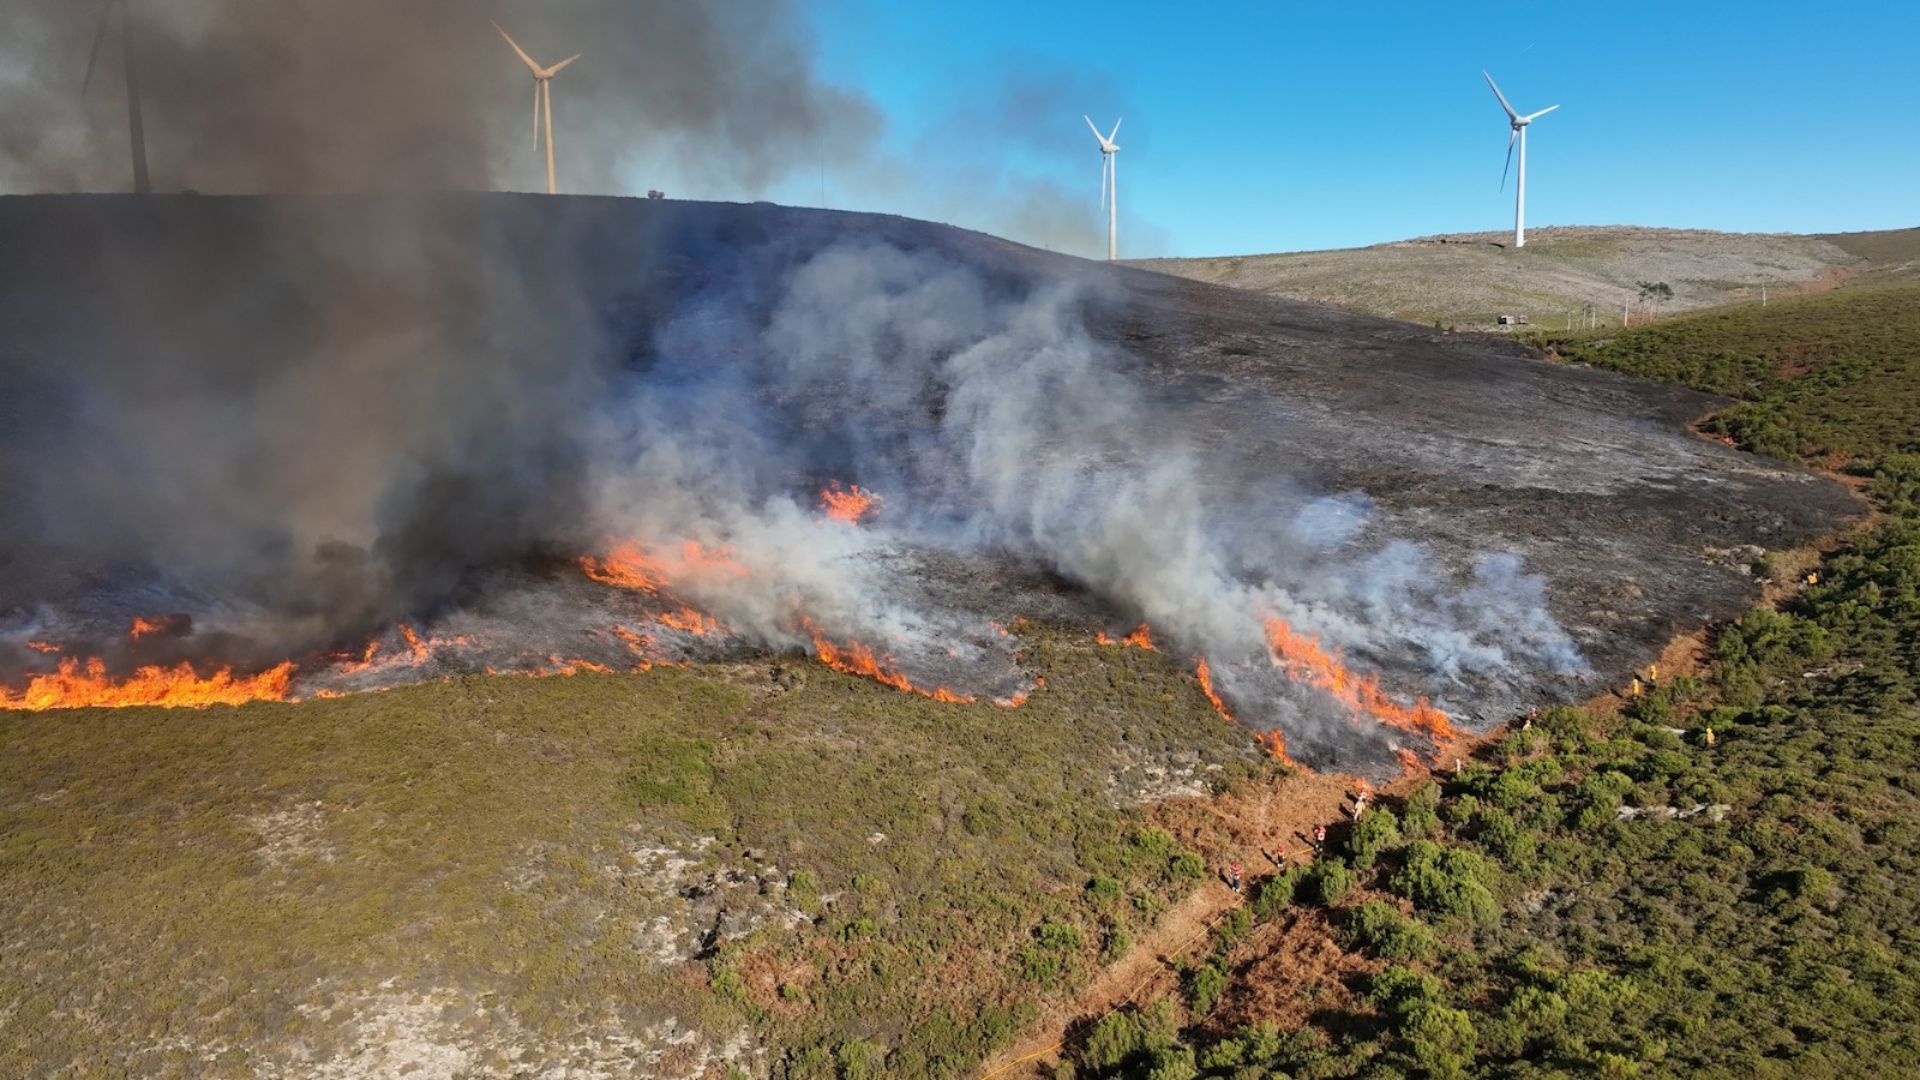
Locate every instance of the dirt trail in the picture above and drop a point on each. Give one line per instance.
(1245, 826)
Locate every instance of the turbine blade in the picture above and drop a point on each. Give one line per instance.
(1511, 115)
(555, 69)
(1095, 130)
(1115, 131)
(1541, 113)
(99, 39)
(1511, 136)
(536, 113)
(528, 60)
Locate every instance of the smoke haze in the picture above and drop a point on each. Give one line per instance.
(422, 95)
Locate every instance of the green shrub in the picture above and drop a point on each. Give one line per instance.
(1329, 881)
(1452, 881)
(1371, 835)
(1103, 893)
(1186, 866)
(1205, 984)
(858, 1059)
(1381, 927)
(1441, 1039)
(1397, 991)
(1275, 893)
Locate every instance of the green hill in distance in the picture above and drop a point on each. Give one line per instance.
(1467, 280)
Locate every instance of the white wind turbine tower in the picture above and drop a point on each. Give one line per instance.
(129, 58)
(542, 98)
(1109, 194)
(1518, 134)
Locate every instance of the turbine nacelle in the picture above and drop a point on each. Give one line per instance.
(1107, 145)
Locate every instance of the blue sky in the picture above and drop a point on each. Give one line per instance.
(1270, 125)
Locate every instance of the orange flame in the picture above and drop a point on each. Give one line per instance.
(848, 504)
(78, 687)
(1140, 638)
(1307, 663)
(632, 565)
(856, 658)
(420, 649)
(1276, 744)
(1205, 674)
(163, 624)
(637, 643)
(349, 664)
(1410, 764)
(562, 668)
(689, 620)
(44, 647)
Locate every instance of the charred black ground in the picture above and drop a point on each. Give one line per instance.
(303, 421)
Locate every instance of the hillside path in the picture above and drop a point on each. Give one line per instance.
(1279, 815)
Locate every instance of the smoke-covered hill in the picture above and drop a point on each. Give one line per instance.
(387, 439)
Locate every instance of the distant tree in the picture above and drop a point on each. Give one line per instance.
(1656, 292)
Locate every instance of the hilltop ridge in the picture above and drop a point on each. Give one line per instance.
(1465, 280)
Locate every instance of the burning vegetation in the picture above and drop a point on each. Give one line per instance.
(585, 468)
(78, 685)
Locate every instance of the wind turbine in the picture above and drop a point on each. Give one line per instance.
(1109, 193)
(1518, 134)
(136, 123)
(542, 98)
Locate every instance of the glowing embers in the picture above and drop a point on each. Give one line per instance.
(848, 503)
(1305, 662)
(83, 685)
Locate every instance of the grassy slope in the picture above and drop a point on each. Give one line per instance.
(1828, 378)
(488, 867)
(1550, 911)
(1467, 280)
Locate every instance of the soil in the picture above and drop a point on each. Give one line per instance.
(1247, 826)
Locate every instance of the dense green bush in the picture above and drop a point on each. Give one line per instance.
(1371, 835)
(1328, 882)
(1451, 881)
(1379, 927)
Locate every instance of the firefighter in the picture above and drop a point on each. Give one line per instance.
(1634, 690)
(1319, 838)
(1710, 738)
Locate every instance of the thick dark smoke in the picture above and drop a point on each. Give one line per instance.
(412, 95)
(707, 100)
(302, 421)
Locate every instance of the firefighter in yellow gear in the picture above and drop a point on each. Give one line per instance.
(1710, 738)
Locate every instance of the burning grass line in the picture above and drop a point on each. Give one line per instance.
(80, 686)
(858, 658)
(1307, 663)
